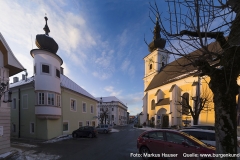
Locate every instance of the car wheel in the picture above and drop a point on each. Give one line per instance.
(105, 131)
(143, 151)
(90, 135)
(74, 135)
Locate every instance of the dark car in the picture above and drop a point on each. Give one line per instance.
(86, 131)
(207, 127)
(169, 143)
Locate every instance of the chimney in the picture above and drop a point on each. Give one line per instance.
(23, 77)
(61, 70)
(15, 79)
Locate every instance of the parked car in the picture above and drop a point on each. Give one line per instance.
(104, 128)
(207, 127)
(171, 142)
(86, 131)
(207, 136)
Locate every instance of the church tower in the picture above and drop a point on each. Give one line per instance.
(157, 58)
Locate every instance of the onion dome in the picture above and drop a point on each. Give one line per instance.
(157, 42)
(45, 42)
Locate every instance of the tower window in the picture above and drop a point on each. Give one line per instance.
(57, 73)
(150, 67)
(45, 68)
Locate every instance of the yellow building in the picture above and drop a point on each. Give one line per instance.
(165, 84)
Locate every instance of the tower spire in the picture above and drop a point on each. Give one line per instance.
(46, 29)
(157, 42)
(157, 30)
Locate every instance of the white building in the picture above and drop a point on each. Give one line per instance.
(117, 110)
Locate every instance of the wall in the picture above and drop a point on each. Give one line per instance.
(4, 116)
(74, 117)
(27, 113)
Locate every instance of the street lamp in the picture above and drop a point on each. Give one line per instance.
(4, 91)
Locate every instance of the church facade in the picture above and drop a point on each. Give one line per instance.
(169, 86)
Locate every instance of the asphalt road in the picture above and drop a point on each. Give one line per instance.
(112, 146)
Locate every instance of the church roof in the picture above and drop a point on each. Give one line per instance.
(65, 82)
(179, 69)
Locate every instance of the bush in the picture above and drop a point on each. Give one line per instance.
(152, 125)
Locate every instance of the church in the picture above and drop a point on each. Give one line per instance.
(167, 84)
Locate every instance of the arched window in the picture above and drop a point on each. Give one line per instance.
(150, 66)
(185, 103)
(153, 105)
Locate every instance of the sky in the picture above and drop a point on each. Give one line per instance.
(101, 42)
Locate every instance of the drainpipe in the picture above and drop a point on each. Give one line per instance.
(19, 111)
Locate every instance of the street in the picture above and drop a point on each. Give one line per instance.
(116, 145)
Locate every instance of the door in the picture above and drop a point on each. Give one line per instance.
(174, 145)
(155, 142)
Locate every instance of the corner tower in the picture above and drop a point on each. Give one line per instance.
(47, 76)
(157, 58)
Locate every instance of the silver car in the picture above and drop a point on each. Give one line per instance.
(207, 136)
(104, 128)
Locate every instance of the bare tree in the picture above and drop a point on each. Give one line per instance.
(201, 102)
(211, 29)
(103, 115)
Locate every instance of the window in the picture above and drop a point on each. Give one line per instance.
(150, 67)
(45, 68)
(80, 124)
(14, 103)
(112, 109)
(14, 128)
(185, 103)
(153, 105)
(73, 105)
(112, 117)
(34, 69)
(50, 99)
(25, 101)
(65, 126)
(84, 109)
(32, 127)
(57, 73)
(58, 100)
(40, 98)
(91, 109)
(87, 123)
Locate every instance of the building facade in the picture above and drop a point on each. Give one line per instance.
(9, 66)
(49, 104)
(116, 110)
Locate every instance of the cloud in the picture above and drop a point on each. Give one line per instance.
(104, 65)
(70, 30)
(112, 91)
(101, 76)
(125, 65)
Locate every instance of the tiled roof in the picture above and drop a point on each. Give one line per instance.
(65, 82)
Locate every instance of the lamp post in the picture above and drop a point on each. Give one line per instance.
(100, 106)
(4, 91)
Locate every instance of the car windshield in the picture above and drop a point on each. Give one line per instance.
(195, 139)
